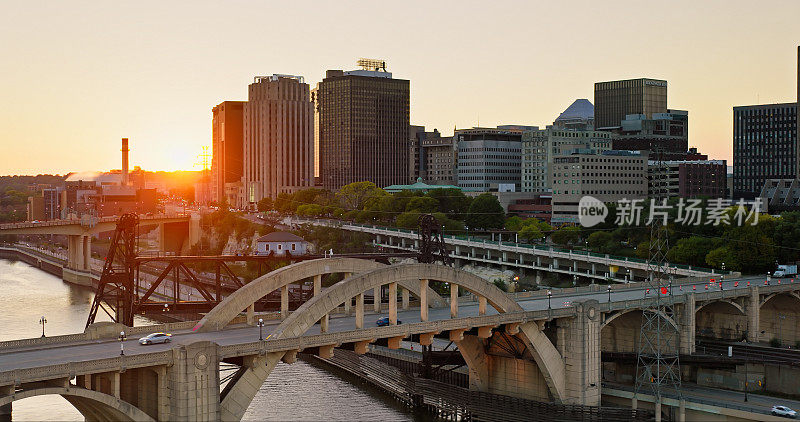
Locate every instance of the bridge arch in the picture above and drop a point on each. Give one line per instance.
(238, 301)
(739, 307)
(619, 332)
(721, 319)
(547, 357)
(92, 404)
(779, 318)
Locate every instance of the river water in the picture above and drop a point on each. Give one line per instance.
(297, 392)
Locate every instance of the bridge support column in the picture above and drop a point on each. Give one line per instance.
(753, 315)
(347, 302)
(251, 314)
(582, 355)
(594, 269)
(555, 263)
(393, 303)
(538, 277)
(376, 299)
(406, 298)
(323, 323)
(360, 311)
(87, 252)
(453, 300)
(423, 300)
(5, 411)
(481, 305)
(687, 325)
(658, 410)
(284, 302)
(682, 411)
(193, 382)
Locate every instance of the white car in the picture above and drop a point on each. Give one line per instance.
(783, 411)
(155, 338)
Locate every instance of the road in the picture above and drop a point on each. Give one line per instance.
(85, 351)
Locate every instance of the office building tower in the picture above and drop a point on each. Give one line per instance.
(616, 99)
(489, 159)
(278, 138)
(363, 126)
(434, 157)
(540, 146)
(227, 138)
(608, 176)
(765, 146)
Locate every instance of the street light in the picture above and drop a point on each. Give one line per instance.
(43, 321)
(260, 329)
(549, 294)
(609, 293)
(122, 337)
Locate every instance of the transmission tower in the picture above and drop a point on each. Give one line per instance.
(658, 363)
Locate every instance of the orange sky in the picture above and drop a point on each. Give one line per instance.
(78, 76)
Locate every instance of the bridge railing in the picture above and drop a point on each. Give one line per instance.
(551, 249)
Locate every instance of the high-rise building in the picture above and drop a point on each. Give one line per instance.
(363, 127)
(765, 146)
(608, 176)
(616, 99)
(540, 146)
(434, 157)
(278, 138)
(227, 137)
(489, 160)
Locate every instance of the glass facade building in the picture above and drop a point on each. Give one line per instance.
(616, 99)
(764, 146)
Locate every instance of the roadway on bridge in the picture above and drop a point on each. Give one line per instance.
(36, 356)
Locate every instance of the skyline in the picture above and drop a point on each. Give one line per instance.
(155, 79)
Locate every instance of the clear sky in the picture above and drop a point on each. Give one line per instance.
(78, 76)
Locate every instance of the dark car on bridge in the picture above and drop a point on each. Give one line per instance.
(382, 322)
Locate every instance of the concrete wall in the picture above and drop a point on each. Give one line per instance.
(721, 320)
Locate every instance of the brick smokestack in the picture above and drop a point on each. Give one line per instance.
(125, 161)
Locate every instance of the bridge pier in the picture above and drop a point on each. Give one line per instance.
(393, 303)
(376, 299)
(406, 298)
(581, 338)
(753, 309)
(193, 383)
(284, 302)
(360, 311)
(687, 324)
(5, 411)
(453, 300)
(423, 300)
(323, 323)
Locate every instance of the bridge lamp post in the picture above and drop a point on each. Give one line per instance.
(43, 321)
(122, 337)
(609, 293)
(549, 295)
(260, 329)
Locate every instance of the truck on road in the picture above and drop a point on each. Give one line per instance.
(785, 271)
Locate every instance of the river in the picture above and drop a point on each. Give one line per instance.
(296, 392)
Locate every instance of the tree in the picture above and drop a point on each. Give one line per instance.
(284, 203)
(692, 250)
(599, 239)
(408, 220)
(355, 195)
(265, 204)
(514, 223)
(566, 236)
(485, 212)
(422, 204)
(452, 202)
(530, 233)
